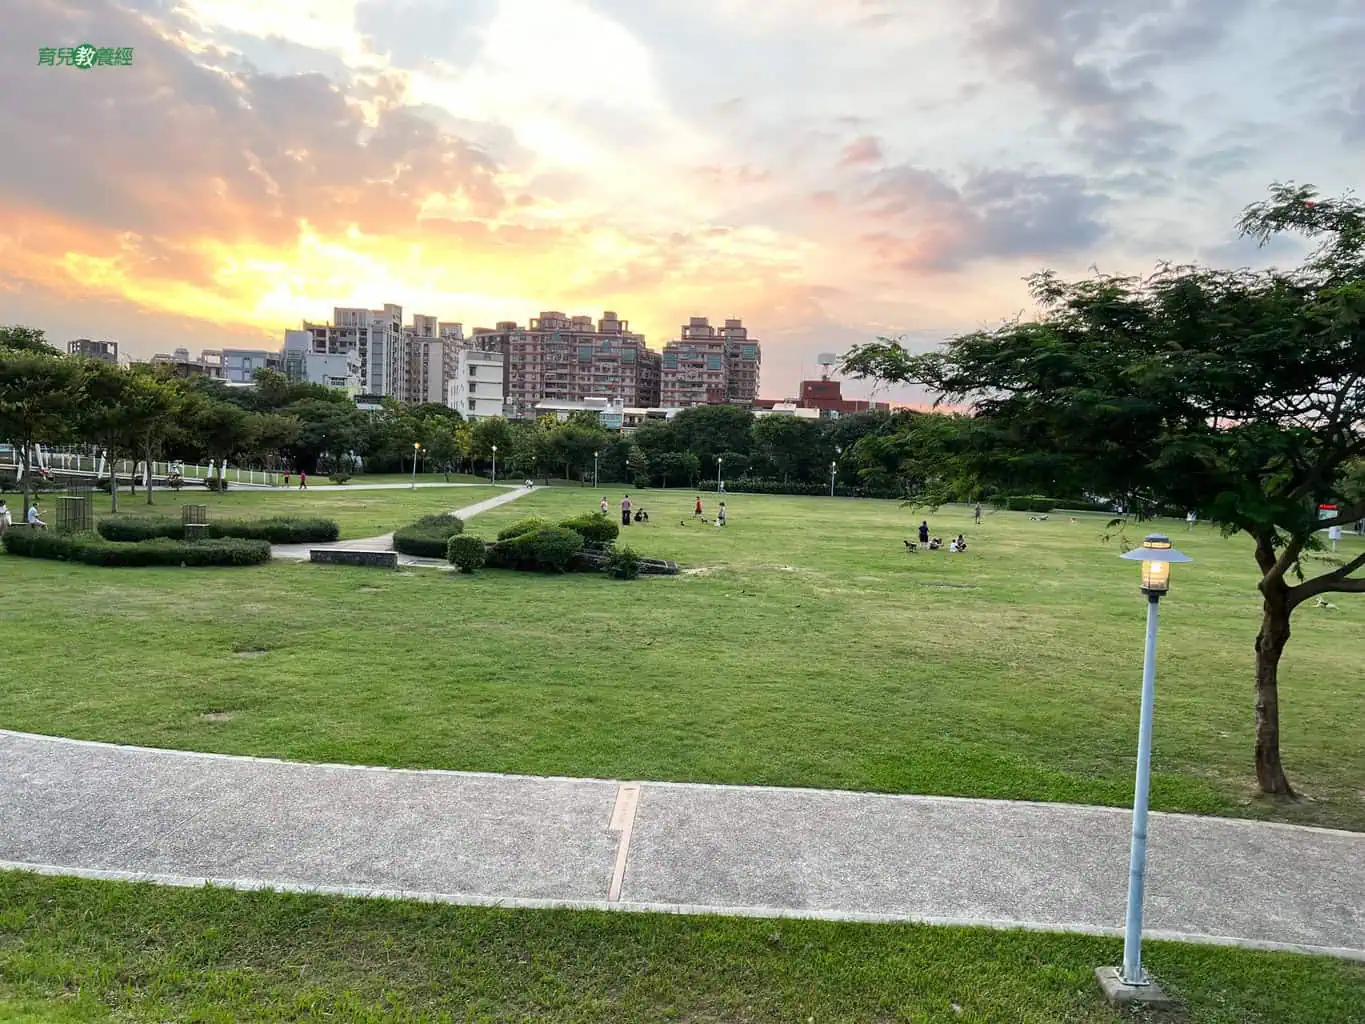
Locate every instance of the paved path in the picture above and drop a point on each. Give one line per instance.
(375, 487)
(299, 552)
(72, 807)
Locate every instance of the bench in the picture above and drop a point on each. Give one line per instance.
(352, 556)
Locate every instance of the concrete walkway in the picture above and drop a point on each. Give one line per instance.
(376, 487)
(71, 807)
(299, 552)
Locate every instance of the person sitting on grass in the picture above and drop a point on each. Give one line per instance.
(641, 516)
(935, 543)
(960, 544)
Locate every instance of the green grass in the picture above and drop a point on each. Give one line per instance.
(810, 650)
(75, 950)
(359, 513)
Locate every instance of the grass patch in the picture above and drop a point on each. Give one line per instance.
(74, 950)
(813, 651)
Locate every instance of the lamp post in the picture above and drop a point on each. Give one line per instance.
(594, 470)
(416, 447)
(495, 463)
(1130, 982)
(833, 465)
(720, 475)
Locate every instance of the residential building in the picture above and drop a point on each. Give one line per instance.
(209, 363)
(240, 364)
(709, 365)
(826, 397)
(569, 359)
(476, 390)
(302, 363)
(786, 409)
(376, 336)
(105, 351)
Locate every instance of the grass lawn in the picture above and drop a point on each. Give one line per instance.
(359, 513)
(74, 950)
(804, 647)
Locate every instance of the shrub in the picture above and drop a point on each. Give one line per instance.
(521, 527)
(339, 478)
(548, 549)
(428, 537)
(466, 553)
(214, 484)
(279, 530)
(1029, 503)
(91, 549)
(597, 530)
(623, 564)
(755, 485)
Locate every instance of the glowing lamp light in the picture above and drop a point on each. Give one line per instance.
(1156, 556)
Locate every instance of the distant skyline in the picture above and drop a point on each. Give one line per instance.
(828, 170)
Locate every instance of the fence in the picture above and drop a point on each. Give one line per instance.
(85, 463)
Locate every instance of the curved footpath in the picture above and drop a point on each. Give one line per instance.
(96, 810)
(299, 552)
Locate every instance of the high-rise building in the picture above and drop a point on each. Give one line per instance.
(562, 358)
(304, 363)
(476, 390)
(707, 365)
(376, 336)
(105, 351)
(425, 354)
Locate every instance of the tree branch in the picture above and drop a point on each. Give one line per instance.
(1338, 581)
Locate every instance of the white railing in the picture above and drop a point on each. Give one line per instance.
(85, 463)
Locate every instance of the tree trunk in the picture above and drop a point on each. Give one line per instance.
(111, 455)
(1270, 643)
(26, 462)
(147, 470)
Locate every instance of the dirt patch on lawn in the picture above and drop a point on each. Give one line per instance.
(218, 716)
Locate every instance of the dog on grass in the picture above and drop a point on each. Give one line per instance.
(911, 547)
(1038, 519)
(1322, 602)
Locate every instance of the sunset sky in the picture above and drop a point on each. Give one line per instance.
(829, 170)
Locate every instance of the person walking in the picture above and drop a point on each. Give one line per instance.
(604, 505)
(924, 532)
(6, 520)
(697, 513)
(34, 520)
(625, 510)
(286, 478)
(303, 480)
(721, 515)
(976, 515)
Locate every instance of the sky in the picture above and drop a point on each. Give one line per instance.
(831, 171)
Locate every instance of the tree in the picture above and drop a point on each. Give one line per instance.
(637, 465)
(26, 339)
(1237, 394)
(105, 416)
(151, 404)
(39, 398)
(788, 444)
(326, 428)
(443, 445)
(485, 434)
(711, 430)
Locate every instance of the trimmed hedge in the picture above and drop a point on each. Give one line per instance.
(279, 530)
(596, 529)
(548, 549)
(466, 553)
(754, 485)
(428, 537)
(92, 549)
(522, 526)
(623, 564)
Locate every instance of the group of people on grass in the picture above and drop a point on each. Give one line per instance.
(629, 513)
(957, 545)
(303, 479)
(34, 518)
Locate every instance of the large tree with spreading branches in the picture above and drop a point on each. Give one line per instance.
(1237, 394)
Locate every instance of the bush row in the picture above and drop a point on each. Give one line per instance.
(1039, 503)
(279, 530)
(428, 537)
(754, 485)
(546, 548)
(92, 549)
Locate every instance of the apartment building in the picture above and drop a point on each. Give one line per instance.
(424, 351)
(709, 365)
(208, 364)
(84, 348)
(376, 336)
(476, 391)
(562, 358)
(303, 364)
(239, 365)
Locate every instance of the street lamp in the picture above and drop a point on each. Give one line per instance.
(416, 447)
(1130, 983)
(834, 463)
(720, 475)
(594, 470)
(495, 463)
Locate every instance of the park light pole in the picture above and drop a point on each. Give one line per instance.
(594, 470)
(833, 465)
(416, 447)
(1130, 983)
(720, 475)
(495, 463)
